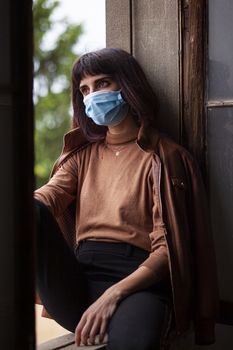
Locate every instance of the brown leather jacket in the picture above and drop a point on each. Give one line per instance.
(188, 235)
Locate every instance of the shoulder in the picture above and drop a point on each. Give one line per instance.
(176, 159)
(168, 149)
(74, 143)
(74, 140)
(170, 153)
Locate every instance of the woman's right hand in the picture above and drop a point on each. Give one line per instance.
(96, 318)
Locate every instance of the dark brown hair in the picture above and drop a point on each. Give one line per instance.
(127, 73)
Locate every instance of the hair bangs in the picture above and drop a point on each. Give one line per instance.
(92, 64)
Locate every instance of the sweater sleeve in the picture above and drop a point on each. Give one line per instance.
(158, 258)
(61, 189)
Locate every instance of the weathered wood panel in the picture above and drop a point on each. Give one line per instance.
(150, 30)
(194, 55)
(156, 46)
(118, 24)
(66, 342)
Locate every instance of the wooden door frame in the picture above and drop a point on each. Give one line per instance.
(17, 179)
(193, 62)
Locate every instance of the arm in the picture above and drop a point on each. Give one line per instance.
(61, 189)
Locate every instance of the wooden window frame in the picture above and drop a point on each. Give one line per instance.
(194, 71)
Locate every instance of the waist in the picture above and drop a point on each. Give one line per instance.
(121, 248)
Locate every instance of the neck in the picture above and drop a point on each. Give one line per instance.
(126, 125)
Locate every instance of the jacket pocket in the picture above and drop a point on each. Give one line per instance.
(179, 183)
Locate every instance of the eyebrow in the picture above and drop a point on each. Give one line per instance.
(97, 80)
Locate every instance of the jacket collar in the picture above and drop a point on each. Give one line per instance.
(73, 140)
(148, 139)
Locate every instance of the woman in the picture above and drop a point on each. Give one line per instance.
(131, 204)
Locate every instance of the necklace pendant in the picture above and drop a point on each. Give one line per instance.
(117, 153)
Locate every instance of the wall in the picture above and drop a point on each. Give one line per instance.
(150, 30)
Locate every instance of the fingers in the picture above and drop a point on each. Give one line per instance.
(94, 331)
(88, 328)
(95, 319)
(86, 331)
(103, 329)
(78, 331)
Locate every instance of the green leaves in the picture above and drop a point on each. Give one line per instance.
(52, 74)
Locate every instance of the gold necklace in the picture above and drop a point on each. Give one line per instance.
(119, 149)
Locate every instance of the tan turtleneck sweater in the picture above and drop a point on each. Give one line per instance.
(112, 184)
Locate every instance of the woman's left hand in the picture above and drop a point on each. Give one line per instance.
(95, 319)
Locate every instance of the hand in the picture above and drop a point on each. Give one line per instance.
(95, 319)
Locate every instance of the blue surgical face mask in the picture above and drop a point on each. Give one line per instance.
(105, 107)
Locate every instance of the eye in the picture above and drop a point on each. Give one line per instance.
(102, 84)
(84, 90)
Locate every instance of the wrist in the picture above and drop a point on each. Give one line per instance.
(117, 292)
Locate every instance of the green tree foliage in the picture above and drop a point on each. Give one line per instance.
(52, 70)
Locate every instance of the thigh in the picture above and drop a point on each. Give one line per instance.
(60, 281)
(104, 264)
(139, 322)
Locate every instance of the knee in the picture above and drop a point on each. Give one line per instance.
(44, 218)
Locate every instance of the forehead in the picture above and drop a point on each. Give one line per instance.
(91, 79)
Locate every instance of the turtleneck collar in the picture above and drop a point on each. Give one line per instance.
(147, 139)
(126, 136)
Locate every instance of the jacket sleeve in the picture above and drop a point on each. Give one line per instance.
(206, 289)
(158, 258)
(61, 189)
